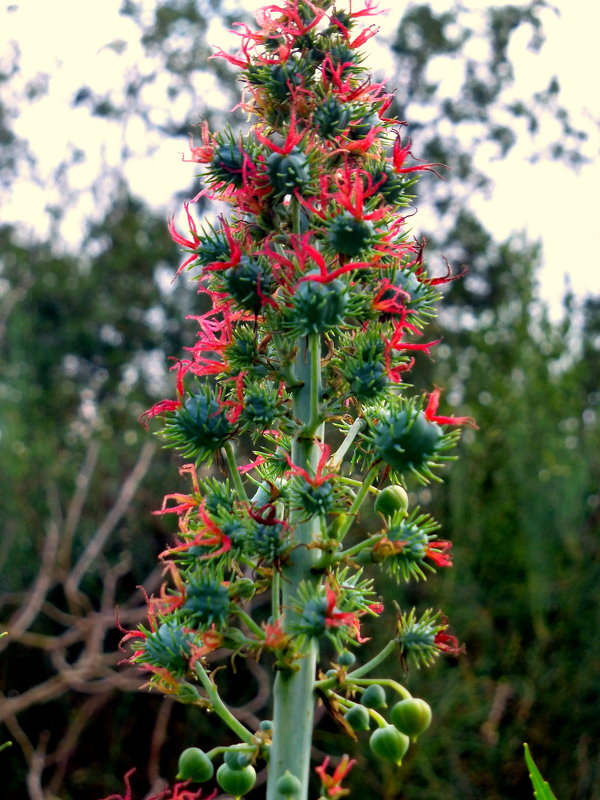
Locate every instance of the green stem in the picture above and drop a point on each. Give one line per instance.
(358, 484)
(217, 751)
(234, 473)
(314, 419)
(374, 662)
(358, 501)
(256, 629)
(293, 697)
(219, 706)
(335, 462)
(397, 687)
(352, 551)
(276, 594)
(329, 683)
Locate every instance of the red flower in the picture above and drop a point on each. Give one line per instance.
(399, 155)
(214, 336)
(331, 785)
(439, 552)
(432, 406)
(209, 536)
(319, 478)
(291, 23)
(178, 792)
(189, 244)
(336, 619)
(292, 139)
(275, 638)
(185, 503)
(447, 643)
(205, 153)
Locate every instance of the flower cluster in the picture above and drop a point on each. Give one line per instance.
(319, 298)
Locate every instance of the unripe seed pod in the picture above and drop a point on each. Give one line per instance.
(374, 696)
(289, 786)
(411, 716)
(194, 765)
(265, 725)
(236, 782)
(358, 718)
(391, 500)
(237, 758)
(389, 744)
(346, 658)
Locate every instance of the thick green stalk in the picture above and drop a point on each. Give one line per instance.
(293, 690)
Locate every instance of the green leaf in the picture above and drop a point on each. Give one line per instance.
(541, 789)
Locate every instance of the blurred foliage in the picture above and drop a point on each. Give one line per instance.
(85, 340)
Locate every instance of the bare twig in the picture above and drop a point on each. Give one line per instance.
(159, 735)
(109, 523)
(23, 618)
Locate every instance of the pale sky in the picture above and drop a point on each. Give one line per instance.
(547, 200)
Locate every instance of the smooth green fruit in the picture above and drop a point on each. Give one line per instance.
(236, 781)
(289, 785)
(391, 499)
(358, 718)
(389, 744)
(346, 658)
(265, 725)
(411, 716)
(194, 765)
(374, 696)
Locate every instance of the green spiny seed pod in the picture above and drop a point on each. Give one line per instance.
(318, 307)
(198, 428)
(391, 500)
(228, 163)
(393, 187)
(283, 76)
(168, 647)
(314, 500)
(362, 127)
(350, 236)
(207, 602)
(288, 171)
(236, 782)
(411, 716)
(195, 765)
(236, 532)
(406, 440)
(267, 541)
(248, 283)
(358, 718)
(288, 786)
(389, 744)
(242, 355)
(368, 381)
(332, 118)
(213, 247)
(344, 56)
(261, 406)
(374, 696)
(313, 617)
(218, 497)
